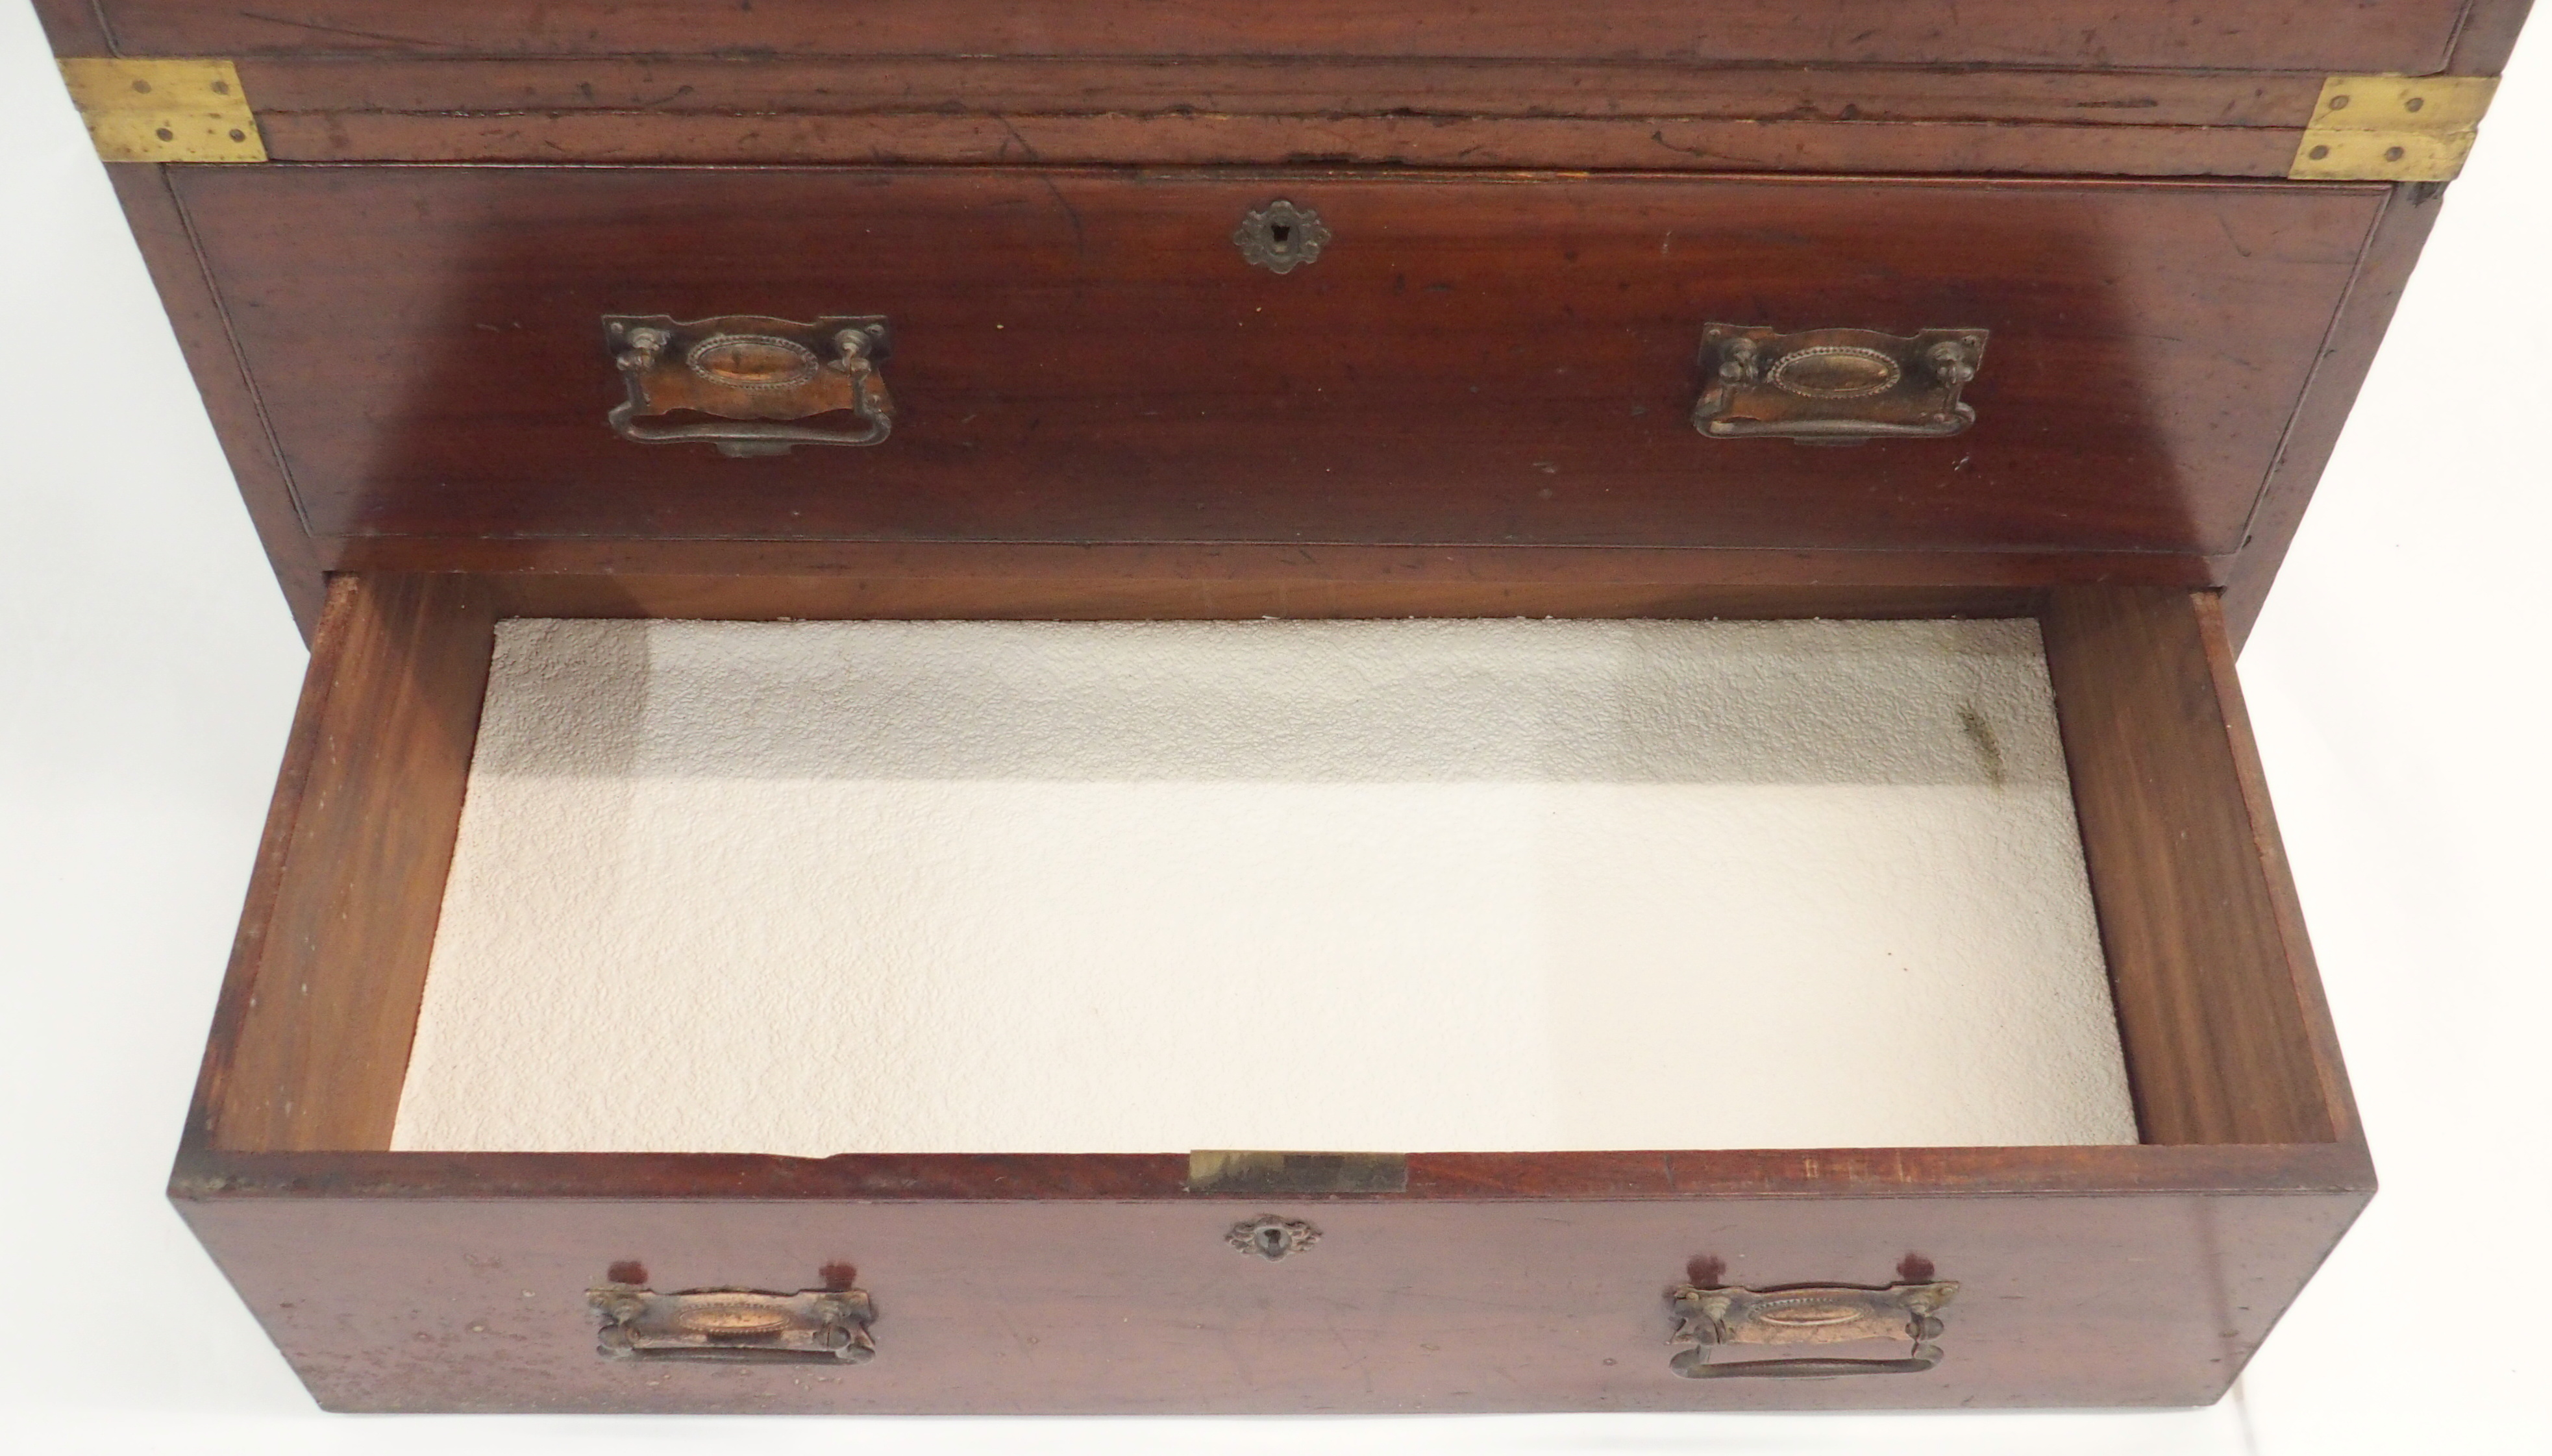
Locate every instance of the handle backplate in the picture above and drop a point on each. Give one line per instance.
(829, 1327)
(1708, 1320)
(756, 376)
(1835, 386)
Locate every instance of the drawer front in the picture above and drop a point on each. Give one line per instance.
(385, 1305)
(1083, 357)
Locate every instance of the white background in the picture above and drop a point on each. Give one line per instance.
(148, 671)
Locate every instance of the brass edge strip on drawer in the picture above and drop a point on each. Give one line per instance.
(1222, 1170)
(164, 110)
(2391, 129)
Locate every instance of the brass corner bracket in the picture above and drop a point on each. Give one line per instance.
(164, 110)
(2391, 129)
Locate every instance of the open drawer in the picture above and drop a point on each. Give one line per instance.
(1119, 1118)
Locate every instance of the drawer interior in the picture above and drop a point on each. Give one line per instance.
(593, 865)
(1479, 886)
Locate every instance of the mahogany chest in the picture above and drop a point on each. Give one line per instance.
(1419, 501)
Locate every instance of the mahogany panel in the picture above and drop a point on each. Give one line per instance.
(2487, 36)
(2407, 36)
(206, 1171)
(1381, 111)
(2216, 1000)
(220, 377)
(310, 1037)
(1000, 598)
(1017, 1306)
(1311, 565)
(1311, 86)
(1084, 357)
(74, 27)
(1643, 143)
(2303, 976)
(2313, 433)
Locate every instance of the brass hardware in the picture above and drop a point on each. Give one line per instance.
(1835, 386)
(2391, 129)
(758, 371)
(1281, 237)
(164, 110)
(1805, 1314)
(734, 1325)
(1272, 1238)
(1297, 1173)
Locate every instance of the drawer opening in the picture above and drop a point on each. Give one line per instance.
(575, 870)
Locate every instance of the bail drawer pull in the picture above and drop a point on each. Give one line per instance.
(1709, 1320)
(1835, 386)
(759, 373)
(734, 1326)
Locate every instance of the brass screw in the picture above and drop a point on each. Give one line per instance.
(223, 89)
(167, 134)
(144, 86)
(2318, 153)
(237, 136)
(2415, 103)
(2339, 103)
(2391, 153)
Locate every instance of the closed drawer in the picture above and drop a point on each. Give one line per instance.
(424, 1211)
(1085, 357)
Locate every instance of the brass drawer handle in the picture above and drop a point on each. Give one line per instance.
(1835, 386)
(1805, 1314)
(829, 1327)
(759, 372)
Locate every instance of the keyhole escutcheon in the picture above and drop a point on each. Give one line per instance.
(1272, 1238)
(1280, 237)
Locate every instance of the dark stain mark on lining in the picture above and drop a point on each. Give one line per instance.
(1981, 734)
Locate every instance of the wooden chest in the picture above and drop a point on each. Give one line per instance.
(564, 353)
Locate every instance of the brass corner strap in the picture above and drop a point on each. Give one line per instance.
(2391, 129)
(164, 110)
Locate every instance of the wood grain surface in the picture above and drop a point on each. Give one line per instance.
(1636, 143)
(2313, 433)
(1085, 358)
(1003, 597)
(2221, 1035)
(1014, 1307)
(1313, 568)
(1377, 110)
(2413, 37)
(230, 396)
(311, 1035)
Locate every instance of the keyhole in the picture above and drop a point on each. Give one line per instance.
(1271, 1243)
(1280, 233)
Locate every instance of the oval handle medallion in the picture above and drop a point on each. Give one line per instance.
(734, 1325)
(1709, 1320)
(731, 1321)
(1835, 372)
(752, 362)
(1807, 1313)
(1835, 386)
